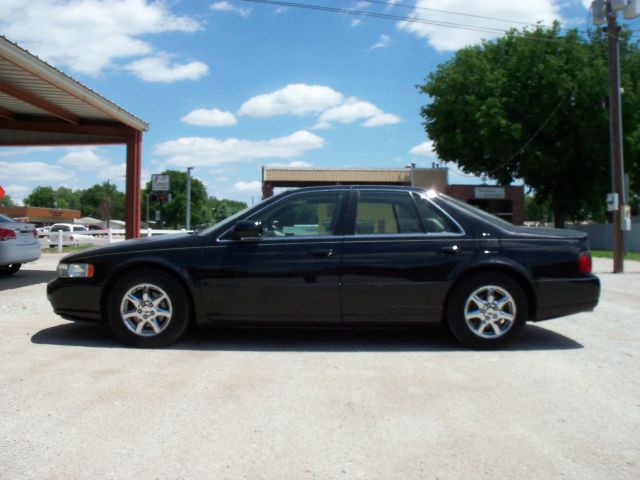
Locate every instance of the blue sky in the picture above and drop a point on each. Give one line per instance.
(230, 86)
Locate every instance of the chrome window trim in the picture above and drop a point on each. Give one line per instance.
(369, 236)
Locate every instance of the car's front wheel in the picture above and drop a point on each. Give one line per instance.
(10, 269)
(487, 311)
(148, 309)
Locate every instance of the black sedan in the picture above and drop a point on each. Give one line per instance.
(345, 255)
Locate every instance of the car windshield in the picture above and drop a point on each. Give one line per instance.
(4, 218)
(57, 228)
(479, 212)
(224, 222)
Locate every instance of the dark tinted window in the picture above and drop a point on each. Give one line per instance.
(58, 228)
(382, 213)
(301, 215)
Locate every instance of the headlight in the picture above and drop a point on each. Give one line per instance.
(75, 270)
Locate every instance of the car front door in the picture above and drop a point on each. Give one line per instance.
(290, 273)
(395, 266)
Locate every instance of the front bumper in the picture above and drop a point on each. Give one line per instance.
(73, 300)
(558, 297)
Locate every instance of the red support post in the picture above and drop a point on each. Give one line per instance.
(132, 199)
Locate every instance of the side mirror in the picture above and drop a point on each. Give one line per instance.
(247, 229)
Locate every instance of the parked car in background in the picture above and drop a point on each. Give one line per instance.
(18, 244)
(344, 255)
(72, 235)
(97, 228)
(43, 232)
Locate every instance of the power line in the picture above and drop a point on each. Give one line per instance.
(520, 151)
(416, 7)
(384, 16)
(396, 18)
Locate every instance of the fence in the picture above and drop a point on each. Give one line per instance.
(601, 236)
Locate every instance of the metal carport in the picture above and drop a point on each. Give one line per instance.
(41, 106)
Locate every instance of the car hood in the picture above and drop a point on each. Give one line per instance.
(537, 232)
(158, 242)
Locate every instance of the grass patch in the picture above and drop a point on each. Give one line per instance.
(66, 249)
(609, 254)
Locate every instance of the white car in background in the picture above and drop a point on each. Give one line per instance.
(72, 235)
(18, 244)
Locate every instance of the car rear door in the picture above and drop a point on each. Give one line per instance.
(395, 265)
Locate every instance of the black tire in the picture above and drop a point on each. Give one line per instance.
(487, 311)
(10, 269)
(147, 324)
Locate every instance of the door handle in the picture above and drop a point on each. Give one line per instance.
(321, 252)
(450, 250)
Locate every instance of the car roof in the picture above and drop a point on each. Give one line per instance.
(401, 188)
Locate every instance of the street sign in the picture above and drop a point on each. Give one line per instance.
(1, 192)
(160, 183)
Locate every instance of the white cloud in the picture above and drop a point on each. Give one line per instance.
(225, 6)
(91, 35)
(35, 172)
(158, 68)
(350, 111)
(355, 22)
(83, 160)
(199, 151)
(294, 164)
(295, 99)
(209, 118)
(448, 38)
(354, 109)
(115, 172)
(248, 187)
(382, 119)
(424, 149)
(383, 42)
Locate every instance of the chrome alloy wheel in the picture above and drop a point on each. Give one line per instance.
(146, 309)
(490, 311)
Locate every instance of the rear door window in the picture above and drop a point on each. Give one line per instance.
(386, 213)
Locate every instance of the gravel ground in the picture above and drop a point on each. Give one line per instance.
(562, 402)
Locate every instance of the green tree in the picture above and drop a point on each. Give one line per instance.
(6, 201)
(41, 197)
(47, 197)
(173, 213)
(223, 208)
(102, 201)
(530, 106)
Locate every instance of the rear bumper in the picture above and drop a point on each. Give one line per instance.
(558, 297)
(75, 301)
(20, 254)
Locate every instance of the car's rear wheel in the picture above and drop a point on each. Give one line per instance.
(148, 309)
(487, 311)
(10, 269)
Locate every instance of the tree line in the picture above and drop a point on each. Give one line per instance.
(105, 201)
(533, 105)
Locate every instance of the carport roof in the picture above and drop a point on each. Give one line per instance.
(40, 105)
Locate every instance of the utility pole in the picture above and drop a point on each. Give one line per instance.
(615, 138)
(607, 10)
(188, 222)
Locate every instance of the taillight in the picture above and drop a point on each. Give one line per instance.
(7, 234)
(584, 262)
